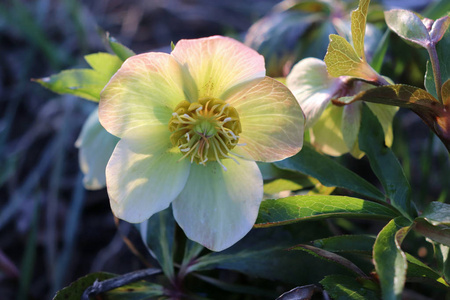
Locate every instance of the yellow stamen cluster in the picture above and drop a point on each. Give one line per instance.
(206, 130)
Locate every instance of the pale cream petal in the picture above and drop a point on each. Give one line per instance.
(144, 174)
(217, 208)
(95, 148)
(271, 119)
(218, 63)
(143, 92)
(312, 86)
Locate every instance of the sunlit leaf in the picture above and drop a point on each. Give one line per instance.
(348, 288)
(384, 163)
(84, 83)
(301, 208)
(342, 60)
(390, 260)
(316, 165)
(408, 26)
(359, 17)
(281, 184)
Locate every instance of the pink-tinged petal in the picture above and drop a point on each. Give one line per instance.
(312, 86)
(217, 208)
(144, 174)
(143, 92)
(326, 134)
(218, 63)
(271, 119)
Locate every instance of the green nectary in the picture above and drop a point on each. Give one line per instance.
(206, 130)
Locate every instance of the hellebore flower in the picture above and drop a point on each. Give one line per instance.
(333, 129)
(191, 126)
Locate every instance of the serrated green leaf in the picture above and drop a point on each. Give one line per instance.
(142, 290)
(84, 83)
(75, 290)
(408, 26)
(330, 256)
(384, 163)
(120, 50)
(358, 25)
(347, 288)
(342, 60)
(390, 261)
(347, 243)
(301, 208)
(316, 165)
(158, 234)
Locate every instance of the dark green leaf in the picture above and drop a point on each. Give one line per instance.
(418, 271)
(347, 243)
(75, 290)
(443, 52)
(142, 290)
(120, 50)
(380, 52)
(263, 253)
(311, 163)
(384, 163)
(330, 256)
(390, 260)
(158, 232)
(437, 213)
(440, 233)
(301, 208)
(348, 288)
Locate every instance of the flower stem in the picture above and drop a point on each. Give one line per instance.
(436, 69)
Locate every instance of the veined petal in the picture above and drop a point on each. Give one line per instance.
(312, 86)
(326, 134)
(144, 173)
(217, 208)
(271, 119)
(218, 63)
(385, 115)
(95, 148)
(143, 92)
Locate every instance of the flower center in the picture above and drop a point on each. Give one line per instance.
(206, 130)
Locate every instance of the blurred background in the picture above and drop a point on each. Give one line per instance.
(52, 230)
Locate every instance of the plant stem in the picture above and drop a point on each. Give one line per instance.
(436, 69)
